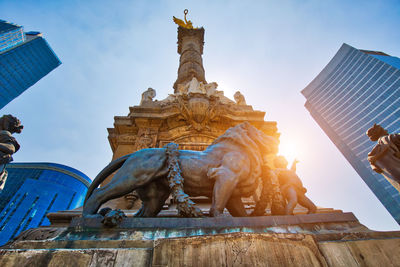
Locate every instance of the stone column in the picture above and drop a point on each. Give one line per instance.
(190, 47)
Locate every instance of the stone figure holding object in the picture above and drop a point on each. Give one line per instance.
(384, 158)
(292, 187)
(8, 144)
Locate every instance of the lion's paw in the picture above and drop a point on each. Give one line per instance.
(113, 217)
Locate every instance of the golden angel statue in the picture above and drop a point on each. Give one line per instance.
(184, 24)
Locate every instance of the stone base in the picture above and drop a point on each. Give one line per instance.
(237, 249)
(217, 223)
(332, 239)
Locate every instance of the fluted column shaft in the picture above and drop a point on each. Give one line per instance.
(190, 47)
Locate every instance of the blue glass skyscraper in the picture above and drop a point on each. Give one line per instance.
(355, 90)
(25, 58)
(10, 35)
(34, 189)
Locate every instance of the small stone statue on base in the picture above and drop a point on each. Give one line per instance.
(292, 187)
(8, 144)
(147, 96)
(239, 98)
(385, 156)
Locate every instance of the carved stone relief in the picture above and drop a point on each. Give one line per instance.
(146, 138)
(126, 139)
(197, 111)
(193, 142)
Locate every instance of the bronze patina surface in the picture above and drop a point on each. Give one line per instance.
(227, 170)
(291, 186)
(8, 144)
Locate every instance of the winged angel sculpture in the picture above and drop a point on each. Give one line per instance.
(184, 24)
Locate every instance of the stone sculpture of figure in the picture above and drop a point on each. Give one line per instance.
(8, 144)
(292, 187)
(194, 86)
(147, 96)
(211, 88)
(239, 98)
(183, 89)
(385, 156)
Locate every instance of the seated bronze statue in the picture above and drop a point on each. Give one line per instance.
(385, 156)
(292, 187)
(230, 168)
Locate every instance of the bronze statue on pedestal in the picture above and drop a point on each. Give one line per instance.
(384, 158)
(227, 170)
(291, 186)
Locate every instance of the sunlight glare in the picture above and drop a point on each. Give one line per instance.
(292, 148)
(289, 152)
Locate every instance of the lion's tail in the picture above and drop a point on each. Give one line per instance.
(107, 171)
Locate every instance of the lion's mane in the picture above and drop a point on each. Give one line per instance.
(243, 136)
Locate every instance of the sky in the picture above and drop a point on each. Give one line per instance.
(112, 51)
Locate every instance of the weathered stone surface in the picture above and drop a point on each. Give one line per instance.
(65, 258)
(367, 248)
(239, 250)
(69, 258)
(133, 258)
(104, 258)
(383, 252)
(54, 258)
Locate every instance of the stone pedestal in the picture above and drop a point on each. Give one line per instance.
(324, 239)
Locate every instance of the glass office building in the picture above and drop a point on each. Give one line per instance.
(355, 90)
(34, 189)
(25, 58)
(10, 35)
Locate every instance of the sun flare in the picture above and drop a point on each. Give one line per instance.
(289, 151)
(292, 147)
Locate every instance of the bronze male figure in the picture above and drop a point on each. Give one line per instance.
(292, 187)
(384, 158)
(8, 144)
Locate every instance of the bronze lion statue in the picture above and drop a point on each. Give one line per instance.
(230, 168)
